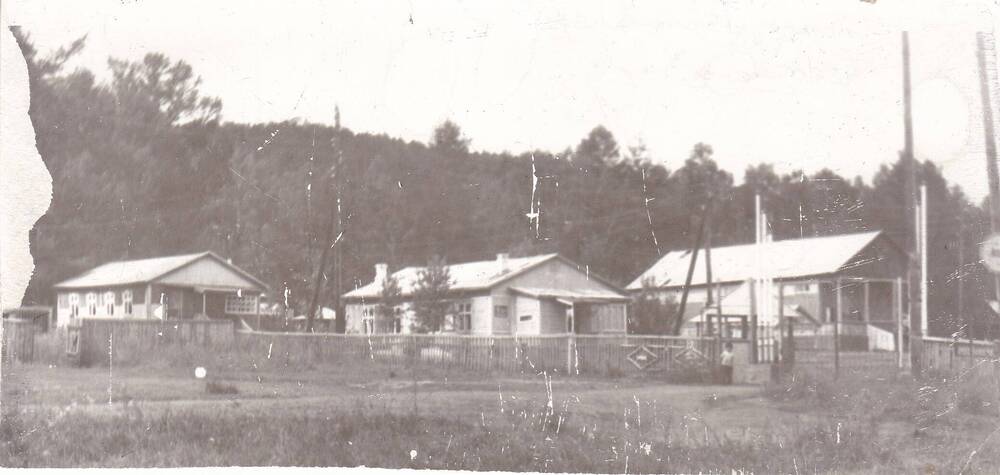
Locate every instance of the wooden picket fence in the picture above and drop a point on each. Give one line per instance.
(101, 341)
(565, 354)
(96, 340)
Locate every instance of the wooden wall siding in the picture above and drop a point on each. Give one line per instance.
(139, 339)
(482, 314)
(18, 340)
(207, 272)
(552, 317)
(527, 307)
(554, 273)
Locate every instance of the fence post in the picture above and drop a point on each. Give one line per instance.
(570, 345)
(788, 353)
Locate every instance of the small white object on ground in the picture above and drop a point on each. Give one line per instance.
(200, 372)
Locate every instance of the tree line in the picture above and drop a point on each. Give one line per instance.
(143, 165)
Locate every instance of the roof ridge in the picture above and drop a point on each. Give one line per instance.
(190, 254)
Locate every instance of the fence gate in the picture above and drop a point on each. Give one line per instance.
(629, 354)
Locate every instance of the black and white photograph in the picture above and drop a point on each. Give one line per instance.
(571, 237)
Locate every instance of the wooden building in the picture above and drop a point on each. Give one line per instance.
(189, 286)
(857, 279)
(545, 294)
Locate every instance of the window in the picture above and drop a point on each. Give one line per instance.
(500, 311)
(238, 305)
(92, 303)
(109, 303)
(463, 317)
(525, 318)
(368, 319)
(127, 301)
(74, 305)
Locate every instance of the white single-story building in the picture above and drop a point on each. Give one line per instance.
(201, 285)
(545, 294)
(855, 278)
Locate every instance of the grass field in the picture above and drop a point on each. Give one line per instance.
(426, 418)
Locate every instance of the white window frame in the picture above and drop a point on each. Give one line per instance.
(462, 317)
(368, 319)
(92, 303)
(74, 305)
(241, 304)
(127, 301)
(109, 302)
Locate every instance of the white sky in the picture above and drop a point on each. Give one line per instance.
(797, 84)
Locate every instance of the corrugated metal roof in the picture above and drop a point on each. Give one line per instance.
(466, 276)
(129, 272)
(572, 295)
(778, 260)
(140, 271)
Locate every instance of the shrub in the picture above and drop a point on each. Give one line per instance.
(216, 387)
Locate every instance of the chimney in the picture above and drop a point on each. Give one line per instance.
(502, 262)
(381, 269)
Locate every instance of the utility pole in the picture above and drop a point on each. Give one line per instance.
(679, 321)
(708, 276)
(910, 204)
(330, 241)
(340, 323)
(991, 146)
(923, 260)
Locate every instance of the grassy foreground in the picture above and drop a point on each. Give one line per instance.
(266, 412)
(520, 439)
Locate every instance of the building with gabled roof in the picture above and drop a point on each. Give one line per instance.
(544, 294)
(201, 285)
(856, 277)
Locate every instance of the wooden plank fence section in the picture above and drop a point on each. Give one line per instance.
(958, 357)
(18, 340)
(99, 338)
(577, 354)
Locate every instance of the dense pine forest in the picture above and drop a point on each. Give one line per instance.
(143, 165)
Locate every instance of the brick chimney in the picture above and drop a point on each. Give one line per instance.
(502, 262)
(381, 270)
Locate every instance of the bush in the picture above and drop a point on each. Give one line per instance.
(215, 387)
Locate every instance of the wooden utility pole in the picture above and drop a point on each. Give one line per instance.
(318, 282)
(708, 276)
(330, 241)
(340, 323)
(992, 175)
(679, 321)
(911, 245)
(924, 291)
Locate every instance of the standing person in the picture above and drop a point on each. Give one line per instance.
(726, 363)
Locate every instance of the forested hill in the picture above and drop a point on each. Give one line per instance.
(143, 167)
